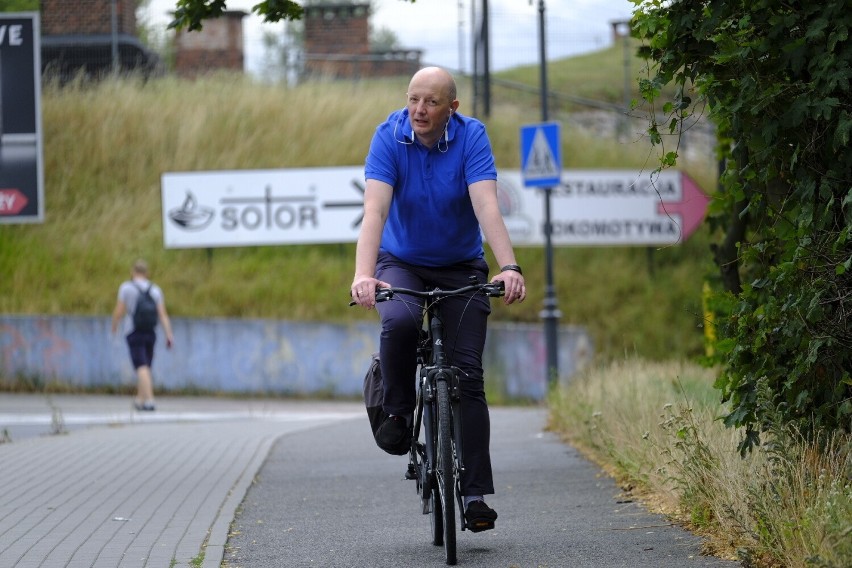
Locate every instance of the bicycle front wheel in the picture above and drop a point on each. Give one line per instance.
(444, 471)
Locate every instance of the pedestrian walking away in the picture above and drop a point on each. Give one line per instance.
(430, 196)
(139, 308)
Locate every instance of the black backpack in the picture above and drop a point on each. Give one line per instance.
(374, 397)
(145, 315)
(374, 394)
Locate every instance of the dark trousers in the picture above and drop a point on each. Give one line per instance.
(465, 321)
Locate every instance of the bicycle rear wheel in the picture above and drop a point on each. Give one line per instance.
(444, 470)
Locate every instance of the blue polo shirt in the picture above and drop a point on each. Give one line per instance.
(431, 220)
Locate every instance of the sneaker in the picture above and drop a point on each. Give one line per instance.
(479, 516)
(394, 436)
(144, 406)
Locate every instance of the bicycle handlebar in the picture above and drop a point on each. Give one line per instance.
(491, 289)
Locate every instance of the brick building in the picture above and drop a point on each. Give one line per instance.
(87, 17)
(337, 44)
(218, 45)
(95, 37)
(98, 37)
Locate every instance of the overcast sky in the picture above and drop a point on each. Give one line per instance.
(442, 28)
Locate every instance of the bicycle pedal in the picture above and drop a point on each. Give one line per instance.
(410, 473)
(479, 526)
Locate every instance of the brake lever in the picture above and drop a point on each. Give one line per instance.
(383, 294)
(495, 289)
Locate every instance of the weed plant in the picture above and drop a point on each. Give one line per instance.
(654, 427)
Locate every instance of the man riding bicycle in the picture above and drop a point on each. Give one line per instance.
(431, 193)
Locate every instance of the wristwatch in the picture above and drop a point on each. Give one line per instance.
(514, 267)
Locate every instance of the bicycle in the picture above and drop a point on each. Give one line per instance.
(437, 462)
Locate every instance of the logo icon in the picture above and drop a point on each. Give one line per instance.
(518, 224)
(191, 216)
(12, 201)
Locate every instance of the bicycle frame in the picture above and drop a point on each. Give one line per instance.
(433, 367)
(437, 463)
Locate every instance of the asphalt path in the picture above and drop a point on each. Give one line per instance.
(328, 497)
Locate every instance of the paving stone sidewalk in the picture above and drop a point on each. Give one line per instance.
(126, 489)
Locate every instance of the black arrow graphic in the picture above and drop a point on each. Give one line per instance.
(338, 204)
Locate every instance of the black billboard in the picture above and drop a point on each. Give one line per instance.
(21, 173)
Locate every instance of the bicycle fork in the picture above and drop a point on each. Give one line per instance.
(443, 372)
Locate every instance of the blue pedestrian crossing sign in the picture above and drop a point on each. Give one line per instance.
(541, 154)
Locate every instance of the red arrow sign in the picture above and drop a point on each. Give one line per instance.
(691, 207)
(12, 201)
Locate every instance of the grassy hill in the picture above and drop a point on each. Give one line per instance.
(106, 146)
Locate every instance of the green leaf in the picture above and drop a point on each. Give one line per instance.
(776, 81)
(190, 14)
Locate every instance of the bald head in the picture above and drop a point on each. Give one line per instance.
(437, 79)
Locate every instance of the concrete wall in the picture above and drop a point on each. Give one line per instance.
(259, 356)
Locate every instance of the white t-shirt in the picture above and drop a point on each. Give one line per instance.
(128, 293)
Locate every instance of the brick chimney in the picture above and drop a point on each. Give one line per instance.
(218, 45)
(87, 17)
(337, 29)
(337, 44)
(93, 37)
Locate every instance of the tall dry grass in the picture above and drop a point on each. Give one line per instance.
(106, 146)
(654, 427)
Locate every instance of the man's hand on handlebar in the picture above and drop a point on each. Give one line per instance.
(363, 291)
(514, 283)
(495, 289)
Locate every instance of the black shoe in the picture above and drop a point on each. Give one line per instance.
(479, 516)
(394, 436)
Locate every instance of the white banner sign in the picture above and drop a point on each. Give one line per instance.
(262, 207)
(605, 208)
(325, 205)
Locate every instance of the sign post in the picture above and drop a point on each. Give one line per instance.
(541, 166)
